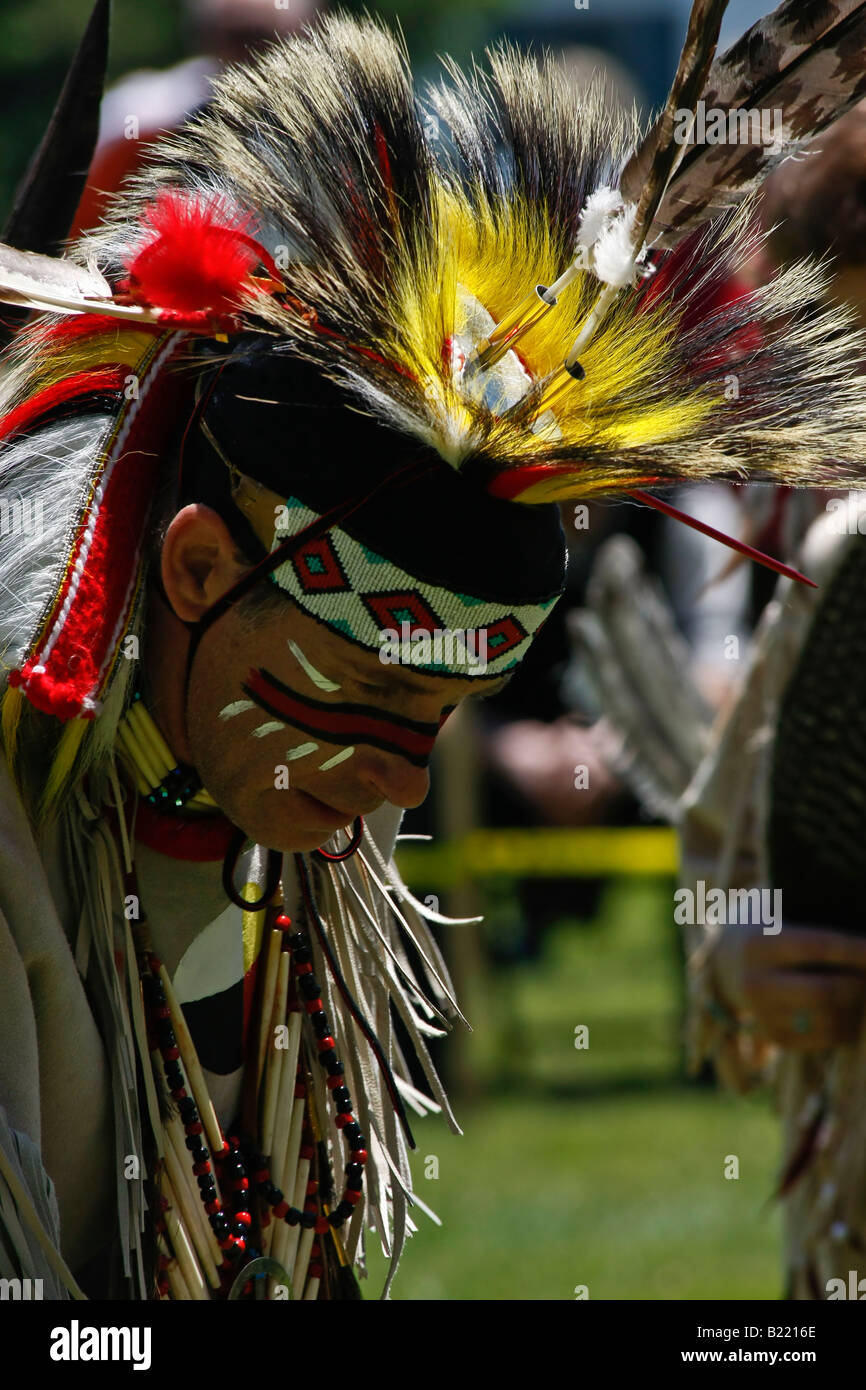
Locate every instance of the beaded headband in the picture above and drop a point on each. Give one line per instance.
(366, 598)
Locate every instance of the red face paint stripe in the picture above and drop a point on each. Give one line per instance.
(344, 723)
(267, 680)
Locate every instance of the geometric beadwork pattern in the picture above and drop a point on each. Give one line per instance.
(362, 596)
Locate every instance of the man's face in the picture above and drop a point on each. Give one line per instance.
(269, 734)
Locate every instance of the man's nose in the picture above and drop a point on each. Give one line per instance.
(393, 777)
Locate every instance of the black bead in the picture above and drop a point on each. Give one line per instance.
(354, 1135)
(335, 1218)
(334, 1065)
(187, 1110)
(297, 940)
(293, 1216)
(272, 1194)
(344, 1107)
(194, 1144)
(354, 1172)
(303, 955)
(321, 1027)
(309, 986)
(345, 1209)
(308, 1220)
(206, 1182)
(340, 1093)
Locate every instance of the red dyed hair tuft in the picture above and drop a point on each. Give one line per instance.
(197, 259)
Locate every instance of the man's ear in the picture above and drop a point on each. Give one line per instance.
(197, 562)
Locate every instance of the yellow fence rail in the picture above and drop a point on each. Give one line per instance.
(596, 851)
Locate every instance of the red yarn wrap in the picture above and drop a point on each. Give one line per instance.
(82, 654)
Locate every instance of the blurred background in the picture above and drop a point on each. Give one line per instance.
(589, 1159)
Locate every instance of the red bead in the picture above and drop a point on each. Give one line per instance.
(244, 1218)
(240, 1244)
(315, 1250)
(315, 1272)
(155, 965)
(194, 1127)
(325, 1044)
(282, 921)
(280, 1209)
(163, 1261)
(334, 1081)
(263, 1175)
(358, 1156)
(179, 1094)
(322, 1226)
(300, 1090)
(227, 1243)
(163, 1011)
(199, 1169)
(240, 1184)
(169, 1054)
(350, 1196)
(163, 1204)
(212, 1207)
(304, 969)
(314, 1006)
(306, 1151)
(312, 1187)
(310, 1206)
(342, 1120)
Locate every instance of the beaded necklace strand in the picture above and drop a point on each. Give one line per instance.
(223, 1178)
(222, 1219)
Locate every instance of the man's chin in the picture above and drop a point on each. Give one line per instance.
(299, 838)
(302, 841)
(304, 825)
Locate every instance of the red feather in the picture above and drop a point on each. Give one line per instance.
(196, 261)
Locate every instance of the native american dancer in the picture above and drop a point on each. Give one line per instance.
(321, 378)
(769, 802)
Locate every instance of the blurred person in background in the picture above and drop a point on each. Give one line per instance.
(148, 102)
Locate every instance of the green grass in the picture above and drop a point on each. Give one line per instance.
(597, 1167)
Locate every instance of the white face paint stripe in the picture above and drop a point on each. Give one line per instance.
(315, 676)
(236, 707)
(301, 751)
(272, 727)
(337, 758)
